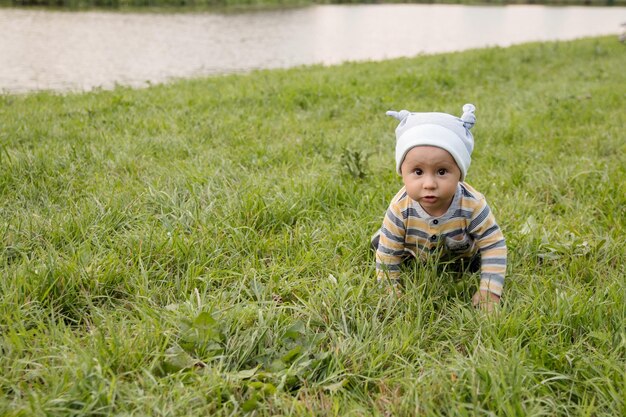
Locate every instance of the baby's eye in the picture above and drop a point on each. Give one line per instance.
(442, 171)
(418, 171)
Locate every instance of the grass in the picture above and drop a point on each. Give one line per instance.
(201, 247)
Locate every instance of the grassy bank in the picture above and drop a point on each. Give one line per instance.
(201, 248)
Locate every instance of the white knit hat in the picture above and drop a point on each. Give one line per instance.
(436, 129)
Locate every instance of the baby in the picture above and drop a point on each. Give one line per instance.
(437, 214)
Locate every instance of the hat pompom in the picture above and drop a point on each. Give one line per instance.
(468, 118)
(400, 115)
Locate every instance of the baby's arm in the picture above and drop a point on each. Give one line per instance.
(390, 252)
(493, 251)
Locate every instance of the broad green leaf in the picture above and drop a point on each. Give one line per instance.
(277, 366)
(204, 321)
(246, 374)
(336, 386)
(294, 331)
(250, 405)
(292, 354)
(177, 360)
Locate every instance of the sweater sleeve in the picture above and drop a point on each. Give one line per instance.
(390, 252)
(492, 247)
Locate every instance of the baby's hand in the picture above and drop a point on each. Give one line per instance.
(392, 287)
(485, 300)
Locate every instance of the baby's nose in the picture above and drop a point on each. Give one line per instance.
(429, 182)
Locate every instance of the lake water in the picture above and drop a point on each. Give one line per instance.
(84, 50)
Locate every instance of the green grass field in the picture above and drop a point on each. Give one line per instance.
(201, 248)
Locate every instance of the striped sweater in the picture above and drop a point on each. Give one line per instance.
(467, 228)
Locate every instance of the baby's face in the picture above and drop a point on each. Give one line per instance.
(431, 176)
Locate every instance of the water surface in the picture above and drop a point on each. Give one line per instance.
(85, 50)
